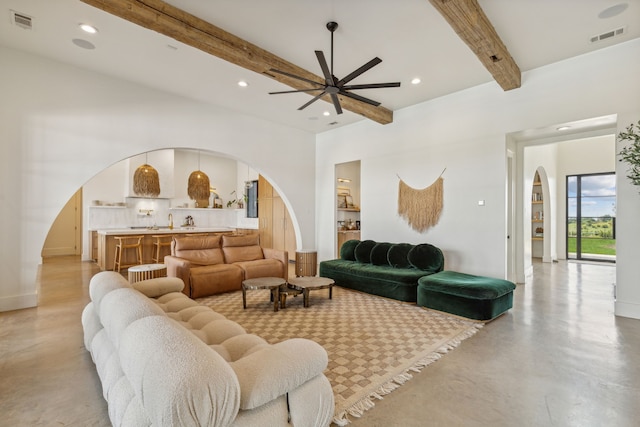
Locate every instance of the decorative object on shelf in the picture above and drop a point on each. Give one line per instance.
(421, 207)
(239, 202)
(342, 201)
(146, 181)
(630, 154)
(198, 186)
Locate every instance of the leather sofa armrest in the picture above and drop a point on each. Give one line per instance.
(282, 256)
(278, 369)
(180, 268)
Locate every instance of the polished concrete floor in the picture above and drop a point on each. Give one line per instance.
(558, 358)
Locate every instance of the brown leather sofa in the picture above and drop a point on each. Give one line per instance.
(211, 265)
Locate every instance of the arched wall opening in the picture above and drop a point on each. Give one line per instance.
(110, 203)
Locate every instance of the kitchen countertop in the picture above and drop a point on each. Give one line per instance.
(162, 230)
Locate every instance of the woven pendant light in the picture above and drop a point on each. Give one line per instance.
(146, 181)
(198, 186)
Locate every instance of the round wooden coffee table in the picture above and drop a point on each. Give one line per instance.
(271, 283)
(310, 283)
(146, 271)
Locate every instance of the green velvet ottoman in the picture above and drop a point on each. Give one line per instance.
(473, 297)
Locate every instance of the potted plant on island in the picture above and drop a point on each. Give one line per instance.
(630, 154)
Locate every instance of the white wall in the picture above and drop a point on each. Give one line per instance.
(60, 125)
(466, 133)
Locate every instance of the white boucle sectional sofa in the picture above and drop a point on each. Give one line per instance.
(165, 360)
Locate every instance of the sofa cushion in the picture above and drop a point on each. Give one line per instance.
(261, 268)
(159, 286)
(379, 253)
(398, 255)
(180, 381)
(199, 250)
(426, 257)
(241, 248)
(363, 251)
(214, 279)
(347, 250)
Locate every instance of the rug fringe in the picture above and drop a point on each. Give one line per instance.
(358, 409)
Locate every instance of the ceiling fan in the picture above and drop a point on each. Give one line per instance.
(332, 86)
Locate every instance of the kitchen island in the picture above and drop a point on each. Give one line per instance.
(106, 242)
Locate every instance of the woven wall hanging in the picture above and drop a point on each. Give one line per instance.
(421, 207)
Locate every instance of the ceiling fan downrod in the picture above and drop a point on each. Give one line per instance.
(332, 26)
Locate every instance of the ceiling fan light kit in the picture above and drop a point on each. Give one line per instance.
(334, 86)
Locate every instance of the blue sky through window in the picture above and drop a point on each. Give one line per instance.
(598, 195)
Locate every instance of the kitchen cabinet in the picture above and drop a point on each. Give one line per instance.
(275, 224)
(94, 245)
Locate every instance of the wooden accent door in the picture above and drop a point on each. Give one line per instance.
(275, 225)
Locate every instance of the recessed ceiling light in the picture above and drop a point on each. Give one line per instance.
(561, 128)
(242, 83)
(613, 11)
(415, 81)
(88, 28)
(326, 113)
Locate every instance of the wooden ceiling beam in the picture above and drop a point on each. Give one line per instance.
(471, 24)
(166, 19)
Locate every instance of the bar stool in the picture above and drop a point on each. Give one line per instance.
(160, 241)
(124, 243)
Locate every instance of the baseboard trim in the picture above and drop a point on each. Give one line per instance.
(18, 302)
(626, 309)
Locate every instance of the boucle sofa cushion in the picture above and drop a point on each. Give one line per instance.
(426, 257)
(261, 374)
(241, 248)
(363, 251)
(199, 389)
(104, 282)
(379, 253)
(198, 250)
(397, 256)
(348, 249)
(153, 288)
(122, 307)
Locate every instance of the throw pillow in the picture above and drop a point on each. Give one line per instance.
(379, 253)
(347, 250)
(426, 257)
(398, 255)
(363, 251)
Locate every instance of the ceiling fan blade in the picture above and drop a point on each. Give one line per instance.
(293, 76)
(325, 68)
(371, 86)
(315, 98)
(294, 91)
(375, 61)
(359, 98)
(336, 103)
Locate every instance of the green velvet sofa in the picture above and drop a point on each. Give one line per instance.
(390, 270)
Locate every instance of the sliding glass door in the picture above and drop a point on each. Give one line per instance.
(591, 217)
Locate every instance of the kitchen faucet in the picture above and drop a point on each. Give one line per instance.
(170, 221)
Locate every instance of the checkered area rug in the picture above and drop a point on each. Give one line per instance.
(373, 343)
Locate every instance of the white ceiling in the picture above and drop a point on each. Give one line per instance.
(411, 38)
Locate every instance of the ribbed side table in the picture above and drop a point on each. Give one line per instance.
(306, 263)
(146, 271)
